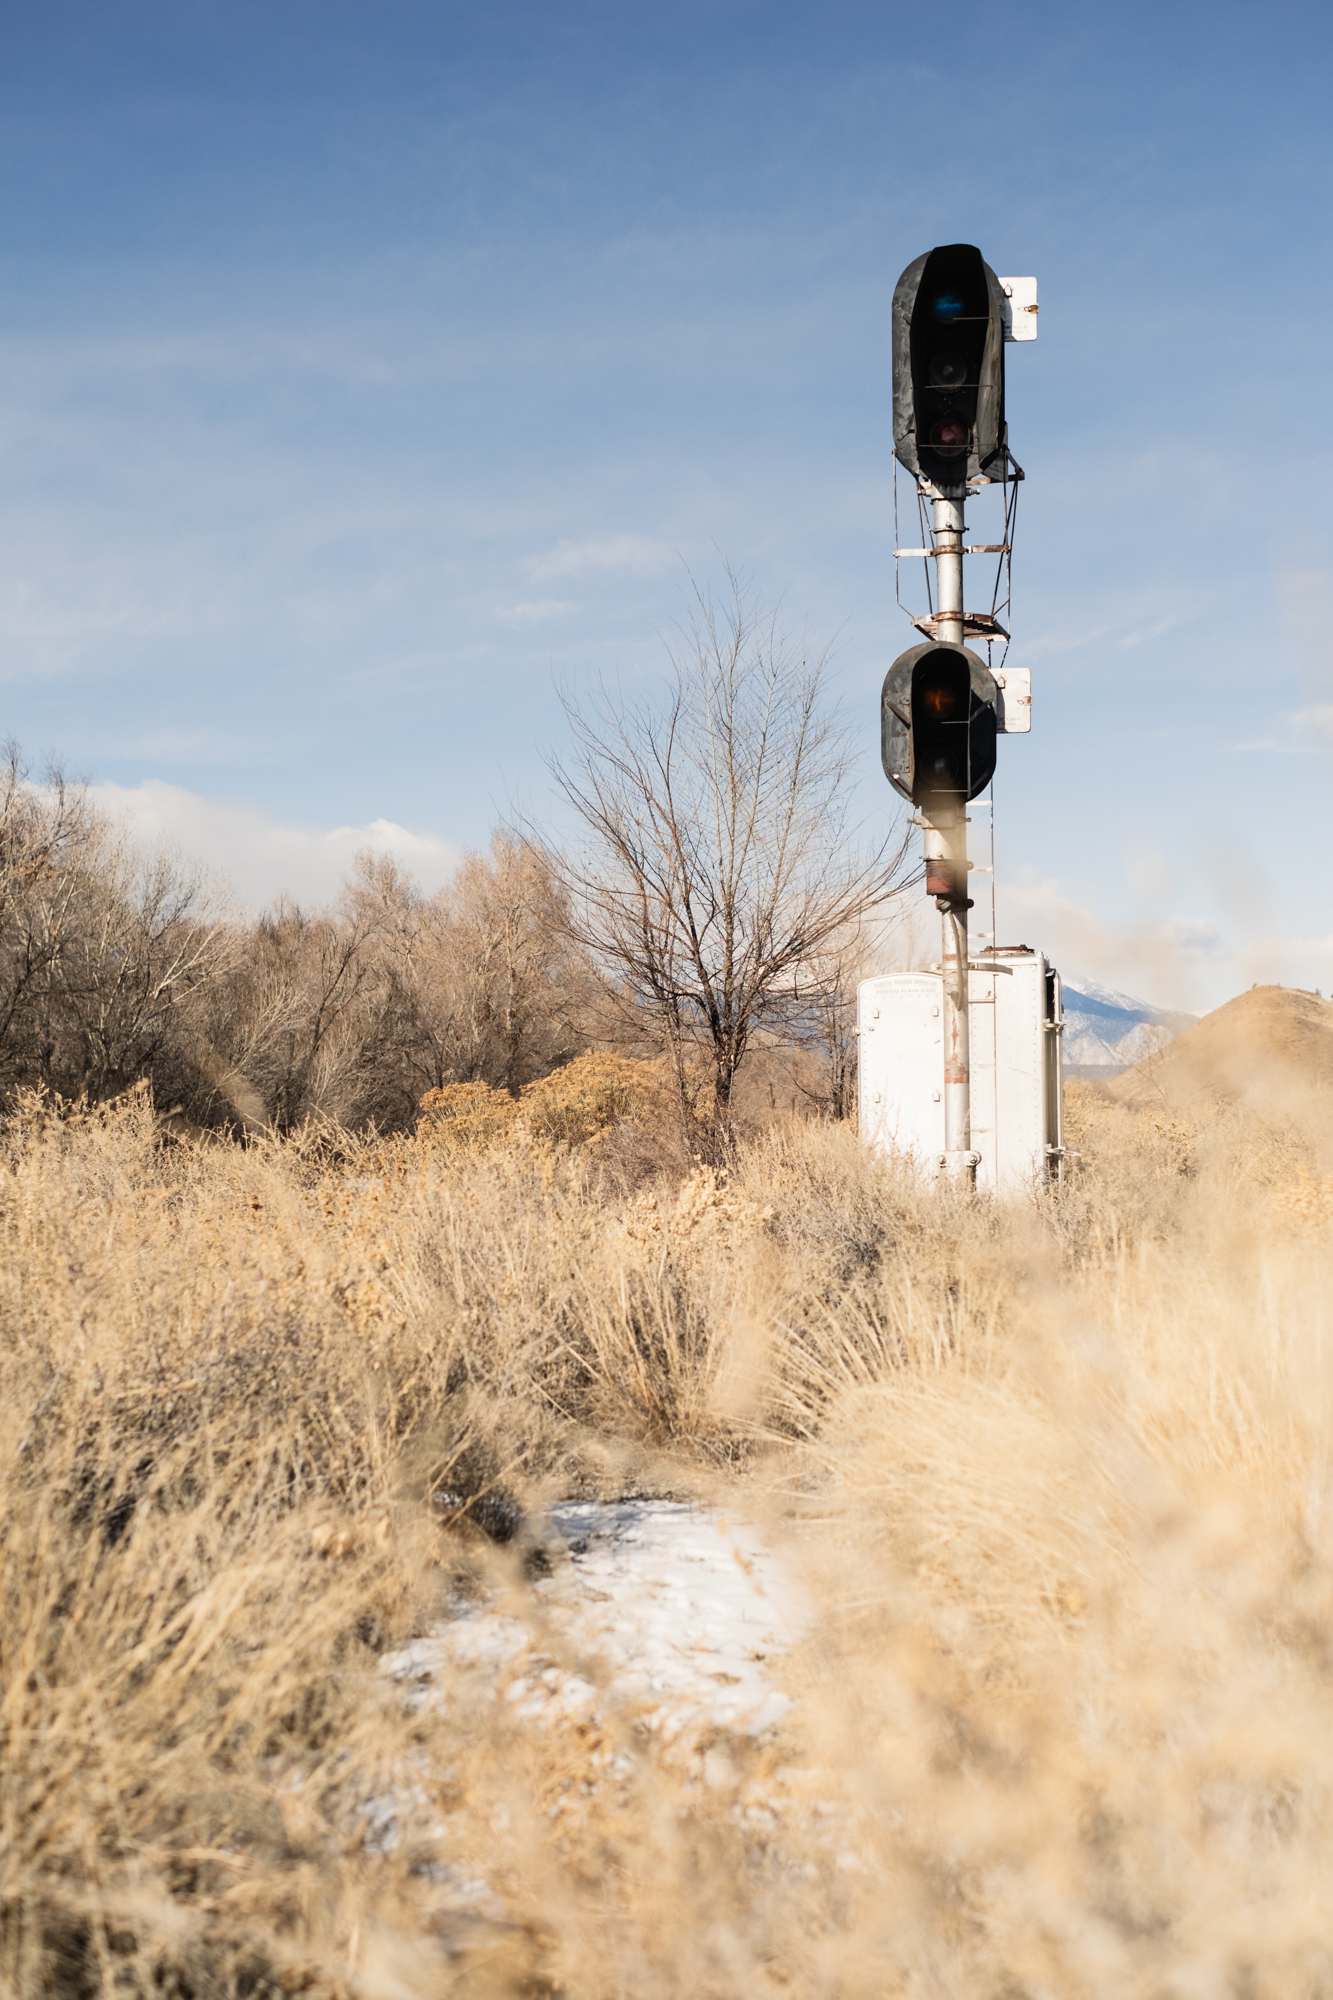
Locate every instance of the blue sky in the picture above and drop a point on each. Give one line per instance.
(369, 370)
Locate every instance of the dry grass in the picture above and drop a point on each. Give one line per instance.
(1059, 1479)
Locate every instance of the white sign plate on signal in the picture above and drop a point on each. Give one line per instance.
(1015, 685)
(1020, 312)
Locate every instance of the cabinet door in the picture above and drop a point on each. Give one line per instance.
(901, 1095)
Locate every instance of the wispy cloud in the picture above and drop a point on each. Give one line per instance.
(169, 746)
(1304, 594)
(1109, 621)
(58, 603)
(603, 555)
(256, 857)
(1188, 962)
(1144, 633)
(536, 611)
(1294, 732)
(1171, 961)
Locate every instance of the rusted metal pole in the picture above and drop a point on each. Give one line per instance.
(946, 848)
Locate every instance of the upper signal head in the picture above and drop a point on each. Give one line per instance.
(948, 368)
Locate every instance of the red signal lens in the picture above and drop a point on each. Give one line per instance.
(949, 437)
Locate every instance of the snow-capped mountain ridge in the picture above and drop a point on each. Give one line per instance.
(1107, 996)
(1107, 1031)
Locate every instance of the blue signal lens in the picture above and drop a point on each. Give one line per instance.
(948, 306)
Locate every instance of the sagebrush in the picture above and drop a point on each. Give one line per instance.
(1057, 1477)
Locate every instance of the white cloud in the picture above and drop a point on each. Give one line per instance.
(1170, 961)
(1295, 731)
(257, 858)
(1315, 952)
(603, 555)
(536, 611)
(1191, 963)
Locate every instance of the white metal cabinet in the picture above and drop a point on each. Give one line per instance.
(1015, 1021)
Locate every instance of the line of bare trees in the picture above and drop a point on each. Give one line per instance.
(712, 904)
(112, 969)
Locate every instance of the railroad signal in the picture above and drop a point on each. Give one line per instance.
(940, 714)
(941, 709)
(949, 316)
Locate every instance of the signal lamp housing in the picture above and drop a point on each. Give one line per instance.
(948, 369)
(939, 718)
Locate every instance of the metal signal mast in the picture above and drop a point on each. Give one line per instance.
(942, 707)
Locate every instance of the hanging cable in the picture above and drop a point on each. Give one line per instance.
(897, 544)
(1002, 587)
(994, 987)
(994, 920)
(1004, 568)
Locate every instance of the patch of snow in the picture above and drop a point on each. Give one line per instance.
(671, 1609)
(672, 1613)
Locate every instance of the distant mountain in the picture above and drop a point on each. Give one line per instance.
(1106, 1031)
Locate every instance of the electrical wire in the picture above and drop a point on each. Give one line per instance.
(1002, 589)
(897, 544)
(994, 987)
(1004, 568)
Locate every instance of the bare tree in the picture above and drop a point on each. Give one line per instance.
(43, 833)
(289, 1032)
(103, 954)
(509, 925)
(718, 865)
(129, 969)
(476, 983)
(828, 1027)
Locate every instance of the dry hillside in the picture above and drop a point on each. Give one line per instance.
(1269, 1051)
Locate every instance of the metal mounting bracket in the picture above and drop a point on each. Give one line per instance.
(971, 549)
(976, 625)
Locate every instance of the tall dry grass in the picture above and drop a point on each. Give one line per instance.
(1057, 1478)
